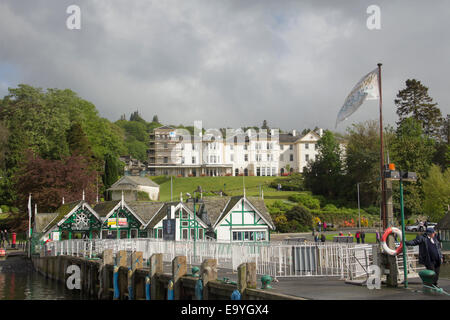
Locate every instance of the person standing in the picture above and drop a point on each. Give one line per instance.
(323, 238)
(363, 236)
(2, 239)
(429, 251)
(377, 236)
(357, 236)
(6, 237)
(324, 226)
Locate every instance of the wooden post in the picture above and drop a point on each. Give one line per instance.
(242, 278)
(156, 267)
(179, 269)
(208, 273)
(122, 259)
(251, 275)
(135, 263)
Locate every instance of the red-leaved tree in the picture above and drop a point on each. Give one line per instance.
(50, 180)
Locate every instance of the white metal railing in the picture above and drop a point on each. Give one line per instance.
(342, 260)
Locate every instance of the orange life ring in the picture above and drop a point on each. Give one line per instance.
(384, 245)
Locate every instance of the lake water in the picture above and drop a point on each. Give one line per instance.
(18, 281)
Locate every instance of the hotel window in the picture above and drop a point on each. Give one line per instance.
(291, 157)
(281, 147)
(306, 145)
(274, 171)
(246, 157)
(306, 157)
(166, 160)
(193, 146)
(231, 147)
(245, 147)
(313, 146)
(269, 146)
(231, 157)
(182, 160)
(258, 171)
(281, 157)
(291, 147)
(182, 146)
(263, 171)
(193, 160)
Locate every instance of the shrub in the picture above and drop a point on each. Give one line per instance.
(142, 196)
(293, 183)
(4, 208)
(14, 210)
(301, 218)
(306, 200)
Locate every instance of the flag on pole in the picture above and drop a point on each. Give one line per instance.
(29, 216)
(365, 89)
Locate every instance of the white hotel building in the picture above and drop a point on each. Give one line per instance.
(174, 152)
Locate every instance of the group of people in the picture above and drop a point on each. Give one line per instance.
(360, 236)
(4, 238)
(319, 237)
(320, 225)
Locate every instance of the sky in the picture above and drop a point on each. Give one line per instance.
(228, 63)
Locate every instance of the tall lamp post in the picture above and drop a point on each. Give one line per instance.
(401, 176)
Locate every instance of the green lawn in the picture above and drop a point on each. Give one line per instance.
(370, 237)
(231, 185)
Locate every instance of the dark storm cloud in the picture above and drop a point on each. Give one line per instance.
(228, 63)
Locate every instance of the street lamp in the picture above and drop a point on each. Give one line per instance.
(359, 208)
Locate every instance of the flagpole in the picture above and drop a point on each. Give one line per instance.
(383, 191)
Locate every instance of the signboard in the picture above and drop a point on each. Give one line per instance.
(55, 236)
(169, 229)
(112, 222)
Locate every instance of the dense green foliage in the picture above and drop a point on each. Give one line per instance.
(293, 182)
(414, 102)
(54, 124)
(323, 176)
(436, 188)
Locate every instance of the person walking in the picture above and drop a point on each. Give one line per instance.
(363, 236)
(429, 251)
(319, 226)
(323, 238)
(357, 236)
(377, 236)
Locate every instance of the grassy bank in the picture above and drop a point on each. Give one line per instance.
(370, 237)
(232, 186)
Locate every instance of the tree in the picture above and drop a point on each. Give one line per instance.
(414, 101)
(412, 151)
(264, 125)
(436, 188)
(135, 116)
(155, 119)
(323, 176)
(111, 174)
(50, 180)
(4, 133)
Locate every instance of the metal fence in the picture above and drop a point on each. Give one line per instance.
(343, 260)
